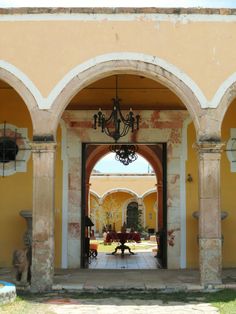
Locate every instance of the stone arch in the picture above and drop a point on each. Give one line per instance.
(154, 158)
(95, 194)
(148, 193)
(133, 198)
(227, 91)
(124, 190)
(101, 150)
(18, 80)
(127, 63)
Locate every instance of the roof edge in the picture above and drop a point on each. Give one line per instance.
(116, 10)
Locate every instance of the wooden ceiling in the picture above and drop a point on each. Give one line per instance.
(134, 91)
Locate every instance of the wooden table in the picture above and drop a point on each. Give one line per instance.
(123, 237)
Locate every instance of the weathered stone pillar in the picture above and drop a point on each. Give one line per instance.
(43, 215)
(210, 242)
(160, 205)
(141, 208)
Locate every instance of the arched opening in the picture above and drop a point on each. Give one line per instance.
(228, 181)
(163, 115)
(132, 216)
(116, 207)
(16, 173)
(155, 70)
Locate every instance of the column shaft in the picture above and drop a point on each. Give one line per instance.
(210, 244)
(43, 216)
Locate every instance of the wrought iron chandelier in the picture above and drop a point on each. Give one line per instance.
(116, 125)
(125, 153)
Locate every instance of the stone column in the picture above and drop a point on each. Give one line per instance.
(74, 199)
(160, 205)
(43, 215)
(141, 207)
(210, 243)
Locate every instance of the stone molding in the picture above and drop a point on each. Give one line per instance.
(43, 147)
(209, 148)
(117, 10)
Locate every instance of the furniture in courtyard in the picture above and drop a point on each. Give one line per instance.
(93, 250)
(87, 251)
(122, 238)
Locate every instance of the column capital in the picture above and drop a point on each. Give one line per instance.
(140, 201)
(43, 147)
(209, 147)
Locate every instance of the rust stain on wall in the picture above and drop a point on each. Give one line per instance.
(74, 230)
(175, 136)
(81, 124)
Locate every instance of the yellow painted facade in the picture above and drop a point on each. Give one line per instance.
(42, 57)
(202, 40)
(16, 196)
(150, 203)
(111, 209)
(228, 195)
(16, 189)
(136, 184)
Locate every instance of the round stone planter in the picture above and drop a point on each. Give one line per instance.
(7, 292)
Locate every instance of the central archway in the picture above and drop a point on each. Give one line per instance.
(79, 131)
(134, 64)
(140, 220)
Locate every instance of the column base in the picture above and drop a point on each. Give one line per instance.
(210, 261)
(42, 268)
(41, 285)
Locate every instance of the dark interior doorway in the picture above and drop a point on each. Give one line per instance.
(132, 215)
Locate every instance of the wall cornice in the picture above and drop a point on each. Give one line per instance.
(118, 10)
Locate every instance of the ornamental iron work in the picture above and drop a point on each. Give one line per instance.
(9, 147)
(117, 125)
(126, 154)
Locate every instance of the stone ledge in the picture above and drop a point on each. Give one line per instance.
(178, 11)
(187, 288)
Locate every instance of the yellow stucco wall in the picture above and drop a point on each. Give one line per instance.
(94, 212)
(151, 214)
(138, 184)
(228, 195)
(192, 200)
(118, 201)
(203, 45)
(16, 196)
(113, 204)
(16, 189)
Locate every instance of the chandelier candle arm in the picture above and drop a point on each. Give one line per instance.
(116, 126)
